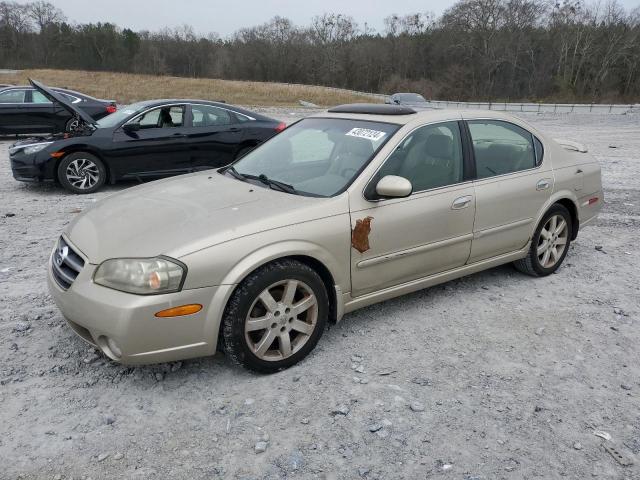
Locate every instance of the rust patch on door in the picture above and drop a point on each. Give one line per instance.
(360, 234)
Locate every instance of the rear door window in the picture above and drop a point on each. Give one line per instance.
(501, 147)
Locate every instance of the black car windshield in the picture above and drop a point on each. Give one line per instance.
(121, 115)
(316, 156)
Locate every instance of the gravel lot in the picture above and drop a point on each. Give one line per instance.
(493, 376)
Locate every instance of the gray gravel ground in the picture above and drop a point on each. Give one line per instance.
(493, 376)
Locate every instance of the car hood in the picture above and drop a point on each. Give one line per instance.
(62, 101)
(184, 214)
(52, 137)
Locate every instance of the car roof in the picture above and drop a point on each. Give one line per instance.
(234, 108)
(417, 116)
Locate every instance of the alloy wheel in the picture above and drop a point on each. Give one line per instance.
(552, 241)
(281, 320)
(82, 173)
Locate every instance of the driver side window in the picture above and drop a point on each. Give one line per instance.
(163, 117)
(429, 157)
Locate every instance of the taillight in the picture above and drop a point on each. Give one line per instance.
(111, 108)
(281, 126)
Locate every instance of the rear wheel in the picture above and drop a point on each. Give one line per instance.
(550, 243)
(275, 317)
(81, 172)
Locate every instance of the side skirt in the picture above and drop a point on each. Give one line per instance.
(352, 304)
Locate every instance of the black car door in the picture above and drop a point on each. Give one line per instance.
(213, 134)
(151, 144)
(14, 116)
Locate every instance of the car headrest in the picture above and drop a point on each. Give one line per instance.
(359, 147)
(502, 152)
(439, 146)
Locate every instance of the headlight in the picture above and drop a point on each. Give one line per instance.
(142, 276)
(29, 149)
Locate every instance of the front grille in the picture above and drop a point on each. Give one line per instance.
(65, 264)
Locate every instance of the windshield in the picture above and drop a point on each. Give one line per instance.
(120, 115)
(410, 97)
(317, 156)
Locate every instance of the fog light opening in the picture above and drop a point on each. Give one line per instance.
(110, 347)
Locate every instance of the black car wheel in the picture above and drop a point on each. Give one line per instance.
(275, 317)
(81, 172)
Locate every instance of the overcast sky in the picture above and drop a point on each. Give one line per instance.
(227, 16)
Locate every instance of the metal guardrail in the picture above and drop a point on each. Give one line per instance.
(615, 109)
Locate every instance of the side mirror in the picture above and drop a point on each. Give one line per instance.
(392, 186)
(131, 127)
(396, 101)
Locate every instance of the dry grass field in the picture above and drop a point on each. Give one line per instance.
(128, 88)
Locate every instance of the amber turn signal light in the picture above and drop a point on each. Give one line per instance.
(180, 311)
(57, 154)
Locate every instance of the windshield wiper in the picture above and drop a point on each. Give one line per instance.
(283, 187)
(262, 178)
(236, 174)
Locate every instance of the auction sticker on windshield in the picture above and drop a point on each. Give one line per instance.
(373, 135)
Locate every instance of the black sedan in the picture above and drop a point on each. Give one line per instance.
(26, 110)
(144, 140)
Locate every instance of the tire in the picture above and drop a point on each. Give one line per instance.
(81, 172)
(253, 332)
(547, 253)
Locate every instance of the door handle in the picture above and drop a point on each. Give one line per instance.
(543, 184)
(178, 135)
(461, 202)
(234, 129)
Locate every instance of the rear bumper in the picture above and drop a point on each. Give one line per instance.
(103, 317)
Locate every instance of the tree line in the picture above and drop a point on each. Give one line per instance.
(496, 50)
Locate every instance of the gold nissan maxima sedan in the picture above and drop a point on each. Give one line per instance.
(349, 207)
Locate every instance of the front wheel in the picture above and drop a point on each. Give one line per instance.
(81, 172)
(550, 243)
(275, 317)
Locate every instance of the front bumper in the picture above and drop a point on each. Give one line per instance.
(31, 168)
(97, 313)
